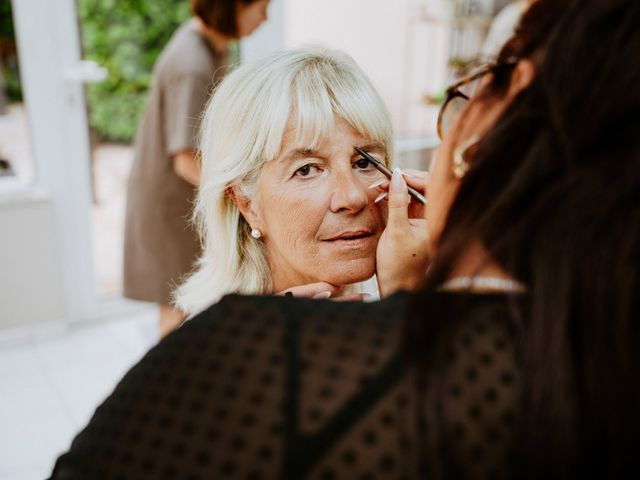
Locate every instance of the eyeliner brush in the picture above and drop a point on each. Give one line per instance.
(388, 173)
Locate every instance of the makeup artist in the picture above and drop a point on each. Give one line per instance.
(159, 245)
(516, 357)
(285, 203)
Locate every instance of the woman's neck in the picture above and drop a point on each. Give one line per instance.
(217, 40)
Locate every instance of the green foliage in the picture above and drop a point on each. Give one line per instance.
(10, 80)
(6, 20)
(125, 37)
(11, 74)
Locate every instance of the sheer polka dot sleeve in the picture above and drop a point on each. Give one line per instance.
(480, 395)
(271, 388)
(205, 403)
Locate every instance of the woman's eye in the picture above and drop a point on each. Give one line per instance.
(306, 170)
(363, 163)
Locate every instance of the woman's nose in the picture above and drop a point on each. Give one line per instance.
(348, 193)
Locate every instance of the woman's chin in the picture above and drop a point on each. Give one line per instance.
(350, 273)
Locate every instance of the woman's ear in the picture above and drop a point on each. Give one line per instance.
(523, 74)
(246, 206)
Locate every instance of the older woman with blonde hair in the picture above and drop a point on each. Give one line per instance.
(284, 203)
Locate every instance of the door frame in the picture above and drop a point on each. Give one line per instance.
(49, 47)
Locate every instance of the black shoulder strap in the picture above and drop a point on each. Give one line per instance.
(302, 451)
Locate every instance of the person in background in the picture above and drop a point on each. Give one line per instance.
(159, 245)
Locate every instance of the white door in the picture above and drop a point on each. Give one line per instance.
(52, 80)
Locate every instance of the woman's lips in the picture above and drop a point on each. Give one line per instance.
(349, 236)
(356, 240)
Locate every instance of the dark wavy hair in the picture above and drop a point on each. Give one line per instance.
(554, 194)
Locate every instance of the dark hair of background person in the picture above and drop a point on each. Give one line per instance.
(554, 195)
(220, 15)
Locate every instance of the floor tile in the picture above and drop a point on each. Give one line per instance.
(26, 388)
(30, 472)
(52, 385)
(35, 439)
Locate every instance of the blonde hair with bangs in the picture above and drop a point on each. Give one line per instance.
(243, 127)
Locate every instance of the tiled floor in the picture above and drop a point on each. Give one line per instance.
(50, 386)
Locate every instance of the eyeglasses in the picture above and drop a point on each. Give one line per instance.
(458, 95)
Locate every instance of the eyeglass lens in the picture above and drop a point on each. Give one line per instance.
(451, 112)
(457, 103)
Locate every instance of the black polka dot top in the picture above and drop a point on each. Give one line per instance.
(274, 387)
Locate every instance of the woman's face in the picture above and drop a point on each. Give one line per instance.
(316, 212)
(250, 16)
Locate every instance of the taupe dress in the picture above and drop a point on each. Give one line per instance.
(160, 246)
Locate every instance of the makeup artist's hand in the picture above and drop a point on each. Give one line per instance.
(402, 256)
(322, 290)
(413, 178)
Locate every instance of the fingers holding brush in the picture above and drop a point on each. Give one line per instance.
(384, 169)
(416, 179)
(402, 255)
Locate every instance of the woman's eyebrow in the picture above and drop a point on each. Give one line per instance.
(300, 153)
(371, 147)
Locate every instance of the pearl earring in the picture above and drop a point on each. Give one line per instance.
(255, 233)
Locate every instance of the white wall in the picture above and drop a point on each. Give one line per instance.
(402, 45)
(269, 38)
(403, 55)
(30, 272)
